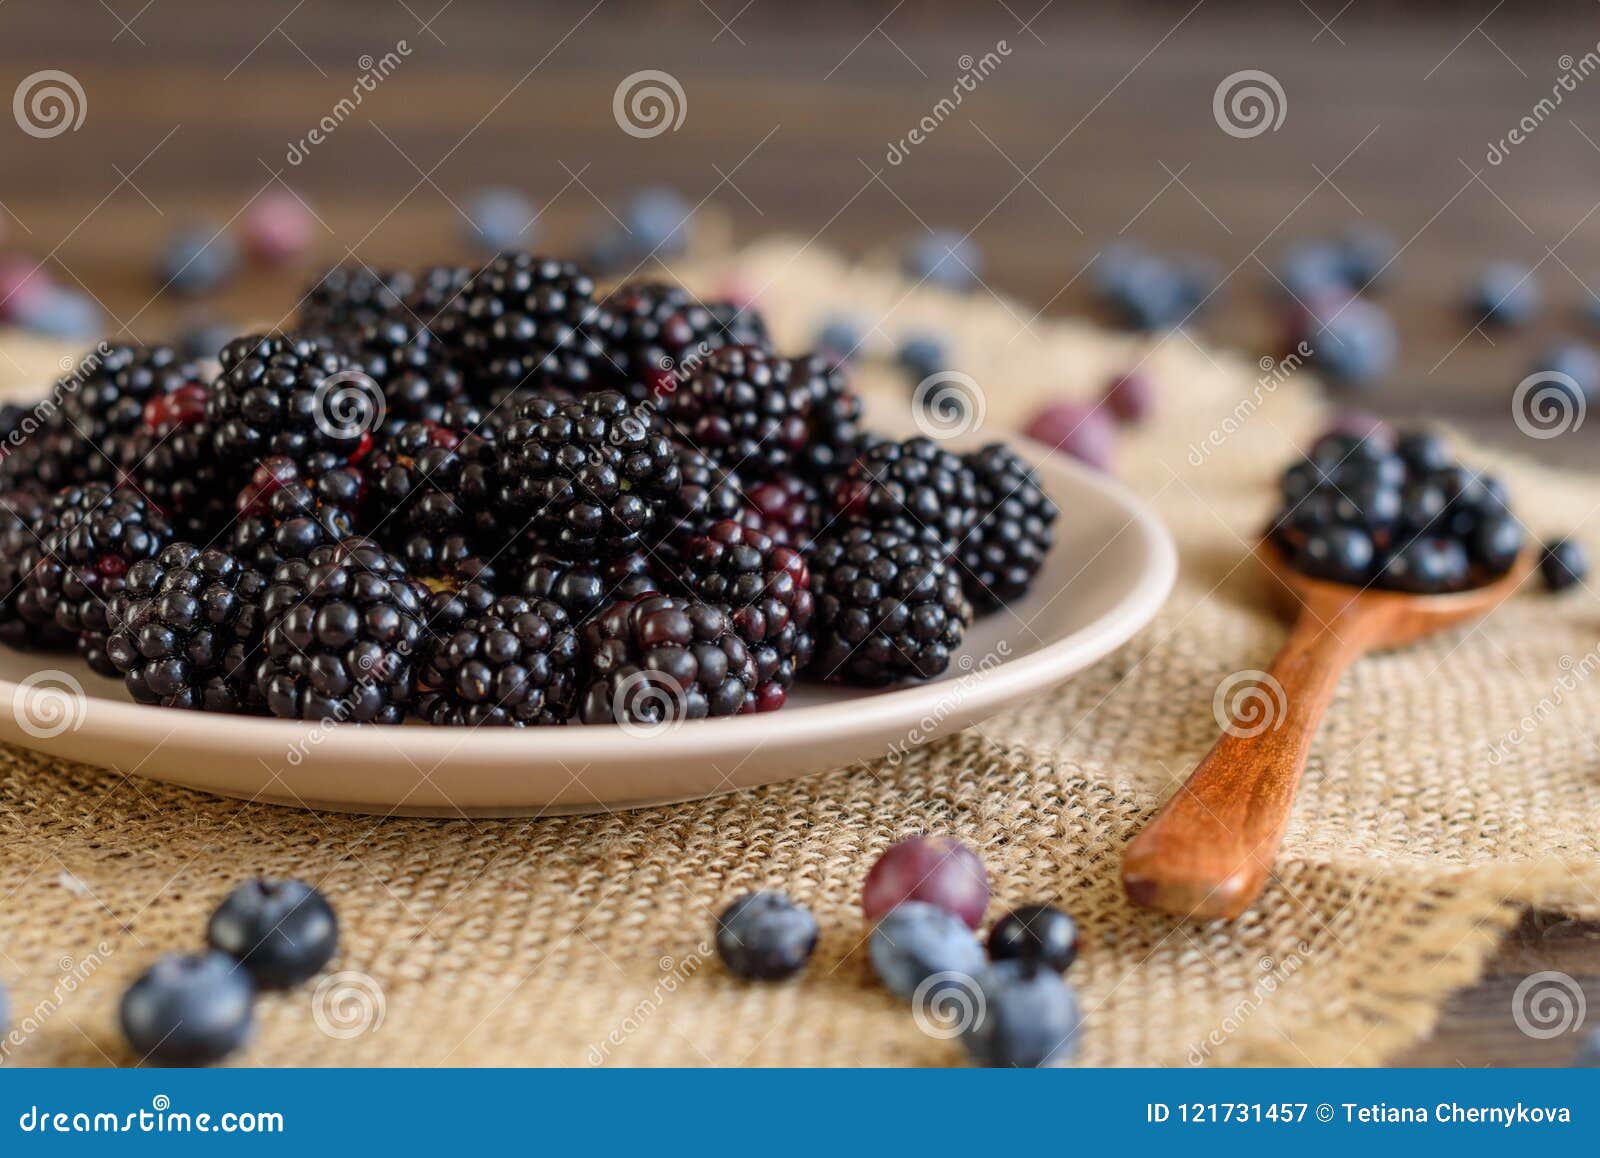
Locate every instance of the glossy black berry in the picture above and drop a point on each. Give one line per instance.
(581, 589)
(434, 485)
(349, 298)
(278, 394)
(188, 630)
(189, 1009)
(746, 408)
(1427, 566)
(1014, 530)
(27, 619)
(660, 332)
(1563, 564)
(915, 484)
(1497, 542)
(282, 931)
(513, 664)
(589, 478)
(1337, 553)
(1039, 933)
(888, 606)
(663, 658)
(286, 511)
(765, 936)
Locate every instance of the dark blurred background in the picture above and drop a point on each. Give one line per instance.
(1097, 125)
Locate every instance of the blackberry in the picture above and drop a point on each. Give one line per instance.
(343, 636)
(97, 432)
(529, 321)
(180, 472)
(95, 536)
(660, 332)
(833, 417)
(911, 485)
(286, 513)
(412, 366)
(888, 605)
(590, 478)
(709, 495)
(581, 589)
(25, 621)
(348, 298)
(274, 397)
(187, 626)
(435, 484)
(744, 407)
(663, 658)
(1014, 532)
(515, 664)
(766, 591)
(438, 292)
(786, 508)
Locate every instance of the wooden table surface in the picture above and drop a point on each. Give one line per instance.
(1091, 128)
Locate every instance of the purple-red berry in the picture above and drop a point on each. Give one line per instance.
(938, 870)
(1087, 433)
(277, 228)
(1130, 396)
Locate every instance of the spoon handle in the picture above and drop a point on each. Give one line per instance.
(1208, 853)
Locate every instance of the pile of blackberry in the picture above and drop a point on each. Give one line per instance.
(1397, 514)
(556, 507)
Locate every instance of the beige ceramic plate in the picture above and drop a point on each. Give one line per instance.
(1109, 572)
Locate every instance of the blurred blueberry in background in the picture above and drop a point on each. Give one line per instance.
(1353, 341)
(658, 221)
(921, 355)
(1366, 253)
(839, 338)
(196, 259)
(1504, 293)
(502, 219)
(58, 312)
(945, 258)
(1574, 360)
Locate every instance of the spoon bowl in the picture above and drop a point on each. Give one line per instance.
(1209, 851)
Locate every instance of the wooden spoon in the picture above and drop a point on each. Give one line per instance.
(1208, 853)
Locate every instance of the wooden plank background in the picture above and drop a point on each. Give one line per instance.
(1096, 126)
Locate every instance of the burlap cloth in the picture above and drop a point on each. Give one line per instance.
(581, 940)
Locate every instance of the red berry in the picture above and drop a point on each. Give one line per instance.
(277, 228)
(1130, 397)
(939, 870)
(1087, 433)
(270, 477)
(184, 406)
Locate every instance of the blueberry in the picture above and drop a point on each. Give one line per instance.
(1144, 292)
(1366, 254)
(1308, 269)
(1573, 360)
(1497, 542)
(283, 931)
(765, 937)
(501, 220)
(1200, 281)
(922, 356)
(839, 339)
(1504, 294)
(945, 258)
(1353, 342)
(205, 341)
(916, 940)
(189, 1009)
(197, 259)
(57, 312)
(1589, 1052)
(1339, 554)
(1426, 566)
(658, 221)
(1035, 933)
(1422, 503)
(1563, 564)
(1370, 503)
(1423, 452)
(1028, 1017)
